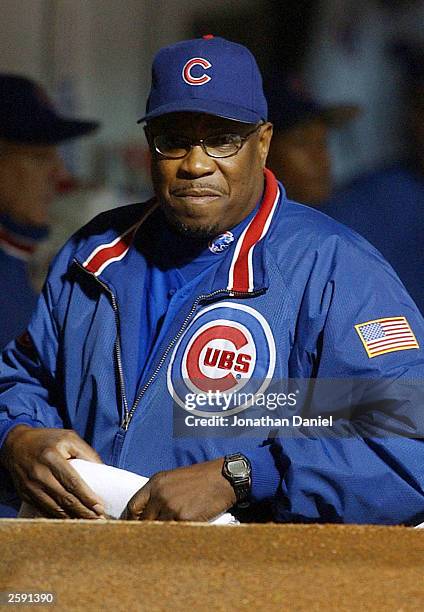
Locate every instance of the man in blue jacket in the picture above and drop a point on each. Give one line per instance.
(180, 338)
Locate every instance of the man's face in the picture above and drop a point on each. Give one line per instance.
(28, 179)
(300, 159)
(204, 196)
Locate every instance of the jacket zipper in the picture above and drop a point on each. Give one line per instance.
(198, 300)
(128, 414)
(117, 345)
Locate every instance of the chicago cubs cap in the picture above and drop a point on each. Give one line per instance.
(28, 116)
(290, 104)
(207, 75)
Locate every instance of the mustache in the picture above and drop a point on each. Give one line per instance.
(198, 186)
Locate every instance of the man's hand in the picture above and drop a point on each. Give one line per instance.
(37, 460)
(196, 493)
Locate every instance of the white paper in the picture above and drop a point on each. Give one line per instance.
(115, 487)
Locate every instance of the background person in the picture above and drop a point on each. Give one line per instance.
(386, 205)
(30, 169)
(299, 154)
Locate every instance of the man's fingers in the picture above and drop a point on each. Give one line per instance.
(78, 495)
(77, 448)
(43, 502)
(43, 483)
(151, 511)
(137, 504)
(38, 462)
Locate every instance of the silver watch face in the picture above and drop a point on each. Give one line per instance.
(237, 467)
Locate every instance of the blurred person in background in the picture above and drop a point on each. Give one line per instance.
(387, 205)
(346, 59)
(30, 169)
(299, 154)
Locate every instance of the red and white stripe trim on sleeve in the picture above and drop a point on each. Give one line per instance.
(107, 253)
(240, 277)
(15, 245)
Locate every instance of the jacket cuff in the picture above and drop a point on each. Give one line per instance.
(265, 476)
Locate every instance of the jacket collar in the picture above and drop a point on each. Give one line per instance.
(246, 272)
(244, 267)
(114, 250)
(20, 240)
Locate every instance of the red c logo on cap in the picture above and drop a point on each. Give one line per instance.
(189, 78)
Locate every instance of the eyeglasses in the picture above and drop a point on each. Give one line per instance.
(219, 146)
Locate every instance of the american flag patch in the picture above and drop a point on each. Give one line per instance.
(386, 335)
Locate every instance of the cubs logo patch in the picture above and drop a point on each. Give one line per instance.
(225, 357)
(221, 242)
(191, 73)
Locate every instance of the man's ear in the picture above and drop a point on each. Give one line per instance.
(265, 136)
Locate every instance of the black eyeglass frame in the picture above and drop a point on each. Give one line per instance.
(201, 142)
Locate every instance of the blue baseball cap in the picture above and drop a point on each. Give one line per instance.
(207, 75)
(28, 116)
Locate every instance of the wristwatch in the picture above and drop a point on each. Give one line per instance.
(237, 471)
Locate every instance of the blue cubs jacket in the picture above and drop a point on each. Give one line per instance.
(296, 297)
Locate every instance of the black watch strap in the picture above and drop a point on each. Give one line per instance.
(240, 479)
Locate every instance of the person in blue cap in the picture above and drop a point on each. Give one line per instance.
(170, 333)
(30, 168)
(299, 154)
(386, 205)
